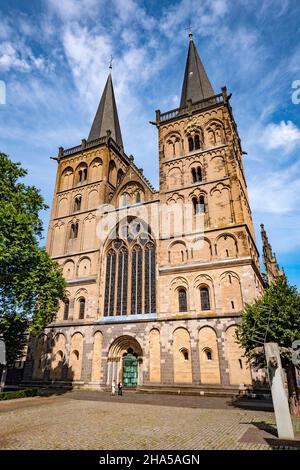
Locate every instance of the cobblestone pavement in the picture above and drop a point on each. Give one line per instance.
(82, 420)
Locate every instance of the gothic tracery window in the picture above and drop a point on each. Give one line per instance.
(130, 282)
(149, 285)
(110, 283)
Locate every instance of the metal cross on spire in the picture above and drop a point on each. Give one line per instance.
(110, 62)
(189, 29)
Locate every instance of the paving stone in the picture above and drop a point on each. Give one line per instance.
(76, 421)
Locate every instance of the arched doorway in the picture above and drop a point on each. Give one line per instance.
(130, 369)
(124, 362)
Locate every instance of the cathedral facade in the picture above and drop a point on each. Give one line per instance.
(156, 280)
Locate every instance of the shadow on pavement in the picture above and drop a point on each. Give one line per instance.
(252, 404)
(275, 443)
(154, 399)
(49, 391)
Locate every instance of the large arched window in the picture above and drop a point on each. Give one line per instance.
(150, 277)
(130, 282)
(182, 300)
(204, 297)
(136, 280)
(110, 283)
(81, 308)
(122, 285)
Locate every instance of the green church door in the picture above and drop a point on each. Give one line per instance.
(130, 370)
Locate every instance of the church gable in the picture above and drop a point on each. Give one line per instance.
(132, 189)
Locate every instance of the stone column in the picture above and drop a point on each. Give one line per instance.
(86, 371)
(195, 360)
(224, 367)
(167, 369)
(108, 371)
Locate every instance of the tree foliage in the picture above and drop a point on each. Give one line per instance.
(275, 317)
(31, 283)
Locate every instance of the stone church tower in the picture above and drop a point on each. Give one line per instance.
(153, 298)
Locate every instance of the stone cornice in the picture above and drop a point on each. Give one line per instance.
(207, 265)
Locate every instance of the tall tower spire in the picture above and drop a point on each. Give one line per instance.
(196, 85)
(270, 261)
(106, 117)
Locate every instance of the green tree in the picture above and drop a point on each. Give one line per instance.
(274, 317)
(31, 283)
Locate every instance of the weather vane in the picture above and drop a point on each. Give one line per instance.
(110, 62)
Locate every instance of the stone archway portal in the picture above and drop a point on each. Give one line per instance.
(130, 369)
(124, 362)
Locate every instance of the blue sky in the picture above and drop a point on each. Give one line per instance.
(54, 57)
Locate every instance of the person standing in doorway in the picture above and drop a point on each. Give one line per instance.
(120, 388)
(113, 388)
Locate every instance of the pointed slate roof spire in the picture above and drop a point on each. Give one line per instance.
(106, 117)
(196, 85)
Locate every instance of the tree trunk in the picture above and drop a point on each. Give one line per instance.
(3, 378)
(292, 389)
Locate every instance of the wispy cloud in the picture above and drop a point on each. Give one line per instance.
(20, 57)
(55, 66)
(285, 136)
(279, 192)
(74, 9)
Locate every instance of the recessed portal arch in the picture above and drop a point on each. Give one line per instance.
(124, 362)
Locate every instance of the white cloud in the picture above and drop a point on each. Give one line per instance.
(74, 9)
(84, 33)
(20, 57)
(88, 56)
(11, 58)
(285, 136)
(278, 192)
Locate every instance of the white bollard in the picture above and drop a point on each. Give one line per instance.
(280, 400)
